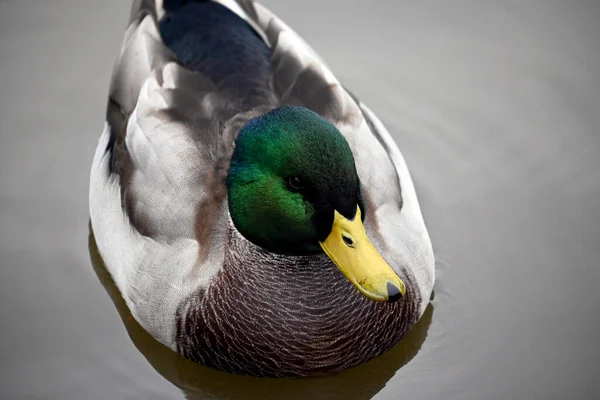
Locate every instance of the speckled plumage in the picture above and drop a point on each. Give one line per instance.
(320, 324)
(160, 216)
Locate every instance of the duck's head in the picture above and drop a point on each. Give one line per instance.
(293, 189)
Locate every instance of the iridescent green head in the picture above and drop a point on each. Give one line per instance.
(290, 170)
(293, 189)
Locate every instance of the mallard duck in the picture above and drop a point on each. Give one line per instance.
(255, 215)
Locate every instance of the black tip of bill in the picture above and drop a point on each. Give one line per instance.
(393, 292)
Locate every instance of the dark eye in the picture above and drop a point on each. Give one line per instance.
(295, 183)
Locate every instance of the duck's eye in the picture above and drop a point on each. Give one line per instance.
(295, 183)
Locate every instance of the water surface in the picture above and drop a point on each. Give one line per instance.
(495, 105)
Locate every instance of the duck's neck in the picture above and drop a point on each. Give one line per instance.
(273, 315)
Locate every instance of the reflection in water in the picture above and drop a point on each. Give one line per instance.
(199, 382)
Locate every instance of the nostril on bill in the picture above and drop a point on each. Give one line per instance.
(348, 241)
(393, 292)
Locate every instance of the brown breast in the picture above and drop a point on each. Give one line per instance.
(270, 315)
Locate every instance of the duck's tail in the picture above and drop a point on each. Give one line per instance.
(158, 8)
(174, 5)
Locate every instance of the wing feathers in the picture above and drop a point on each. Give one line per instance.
(168, 149)
(143, 52)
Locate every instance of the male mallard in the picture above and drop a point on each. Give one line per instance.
(233, 175)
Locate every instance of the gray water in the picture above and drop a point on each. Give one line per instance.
(495, 105)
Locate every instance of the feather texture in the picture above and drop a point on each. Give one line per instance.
(159, 212)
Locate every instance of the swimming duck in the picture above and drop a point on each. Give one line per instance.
(255, 215)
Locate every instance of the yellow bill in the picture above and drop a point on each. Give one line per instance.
(349, 248)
